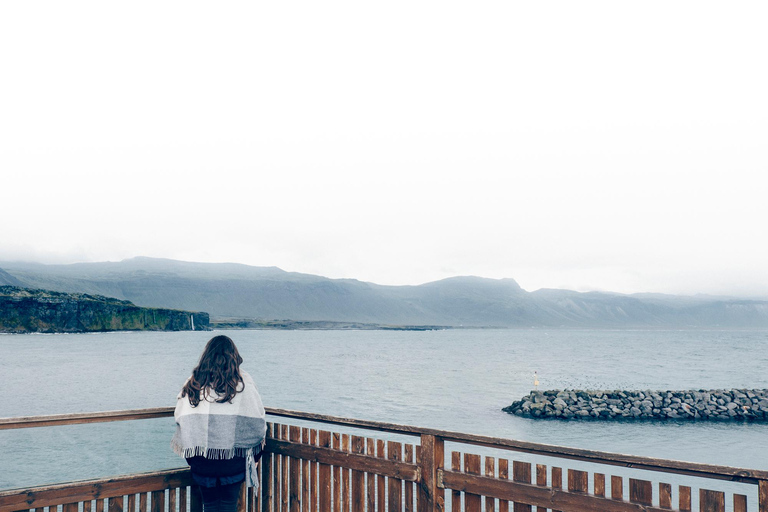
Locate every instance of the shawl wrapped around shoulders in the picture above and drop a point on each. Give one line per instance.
(221, 430)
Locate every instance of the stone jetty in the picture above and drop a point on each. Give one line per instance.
(710, 405)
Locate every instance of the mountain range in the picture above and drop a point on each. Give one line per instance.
(237, 291)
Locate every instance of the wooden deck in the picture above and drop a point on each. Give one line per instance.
(354, 465)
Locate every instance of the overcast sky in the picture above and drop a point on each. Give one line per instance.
(586, 145)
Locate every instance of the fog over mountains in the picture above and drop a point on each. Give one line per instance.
(229, 290)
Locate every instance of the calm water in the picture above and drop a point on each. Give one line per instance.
(455, 380)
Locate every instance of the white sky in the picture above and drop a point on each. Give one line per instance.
(588, 145)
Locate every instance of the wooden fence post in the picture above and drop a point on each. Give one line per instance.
(432, 460)
(762, 492)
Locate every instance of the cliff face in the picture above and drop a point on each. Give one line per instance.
(23, 310)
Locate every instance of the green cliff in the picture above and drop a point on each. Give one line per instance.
(23, 310)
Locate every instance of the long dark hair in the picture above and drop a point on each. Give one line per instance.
(218, 370)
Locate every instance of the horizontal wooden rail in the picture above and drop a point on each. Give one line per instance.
(85, 490)
(592, 456)
(545, 497)
(84, 417)
(365, 463)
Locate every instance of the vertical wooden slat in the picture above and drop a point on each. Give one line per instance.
(73, 507)
(183, 499)
(521, 472)
(711, 501)
(685, 498)
(578, 481)
(305, 476)
(640, 491)
(142, 503)
(599, 484)
(115, 505)
(336, 472)
(762, 496)
(267, 475)
(242, 500)
(358, 477)
(285, 471)
(408, 486)
(371, 451)
(345, 476)
(557, 479)
(381, 496)
(171, 501)
(324, 474)
(456, 495)
(617, 488)
(472, 502)
(295, 492)
(490, 470)
(739, 503)
(395, 496)
(100, 506)
(503, 475)
(87, 505)
(314, 471)
(158, 501)
(419, 504)
(541, 481)
(665, 495)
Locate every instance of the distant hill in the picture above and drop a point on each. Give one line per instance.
(235, 291)
(23, 310)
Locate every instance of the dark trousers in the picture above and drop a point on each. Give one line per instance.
(222, 498)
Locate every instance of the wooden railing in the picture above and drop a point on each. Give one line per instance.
(334, 469)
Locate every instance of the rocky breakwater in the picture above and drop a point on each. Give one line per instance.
(23, 310)
(712, 405)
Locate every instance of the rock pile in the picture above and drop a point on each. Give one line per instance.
(713, 405)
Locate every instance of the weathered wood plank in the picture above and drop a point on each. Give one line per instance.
(432, 460)
(407, 484)
(268, 474)
(395, 495)
(521, 472)
(324, 474)
(762, 495)
(711, 501)
(305, 474)
(284, 473)
(158, 501)
(578, 481)
(358, 477)
(45, 496)
(336, 472)
(472, 501)
(556, 499)
(617, 488)
(739, 503)
(142, 503)
(541, 481)
(73, 507)
(557, 480)
(115, 505)
(490, 471)
(314, 486)
(665, 495)
(370, 450)
(456, 467)
(684, 498)
(599, 484)
(242, 500)
(640, 491)
(354, 461)
(503, 475)
(346, 482)
(171, 501)
(381, 496)
(295, 483)
(183, 498)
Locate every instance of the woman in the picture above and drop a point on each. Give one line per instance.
(220, 426)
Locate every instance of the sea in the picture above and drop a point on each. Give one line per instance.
(456, 380)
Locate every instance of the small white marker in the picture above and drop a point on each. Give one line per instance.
(535, 380)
